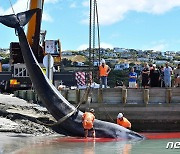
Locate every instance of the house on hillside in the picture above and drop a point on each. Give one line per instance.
(120, 50)
(143, 59)
(160, 62)
(121, 66)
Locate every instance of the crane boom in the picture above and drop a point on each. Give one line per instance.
(34, 26)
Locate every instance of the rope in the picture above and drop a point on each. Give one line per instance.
(90, 31)
(27, 5)
(98, 30)
(11, 6)
(94, 36)
(109, 116)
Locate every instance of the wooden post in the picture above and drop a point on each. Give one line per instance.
(87, 95)
(16, 93)
(124, 96)
(22, 94)
(100, 95)
(30, 95)
(168, 95)
(146, 96)
(77, 95)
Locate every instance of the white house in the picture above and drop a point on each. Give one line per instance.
(120, 50)
(96, 63)
(121, 66)
(143, 59)
(80, 64)
(160, 62)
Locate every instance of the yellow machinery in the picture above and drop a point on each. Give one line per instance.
(52, 47)
(18, 77)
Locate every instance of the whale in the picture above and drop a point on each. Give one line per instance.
(51, 98)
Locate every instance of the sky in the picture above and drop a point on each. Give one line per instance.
(132, 24)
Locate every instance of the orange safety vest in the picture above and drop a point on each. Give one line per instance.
(103, 70)
(88, 120)
(125, 123)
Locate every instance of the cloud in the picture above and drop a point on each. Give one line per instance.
(47, 17)
(112, 11)
(83, 47)
(1, 10)
(103, 45)
(22, 5)
(51, 1)
(106, 45)
(157, 46)
(19, 6)
(73, 5)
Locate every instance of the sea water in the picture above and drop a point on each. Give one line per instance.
(14, 144)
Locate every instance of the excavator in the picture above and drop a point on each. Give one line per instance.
(18, 77)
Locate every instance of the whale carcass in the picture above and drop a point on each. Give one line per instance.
(56, 104)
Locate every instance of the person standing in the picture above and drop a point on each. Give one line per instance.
(132, 79)
(161, 70)
(103, 73)
(167, 75)
(122, 121)
(88, 122)
(145, 75)
(154, 76)
(177, 76)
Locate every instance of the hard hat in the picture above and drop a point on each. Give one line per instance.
(120, 115)
(103, 61)
(91, 110)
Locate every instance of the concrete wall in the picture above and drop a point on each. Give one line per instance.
(138, 96)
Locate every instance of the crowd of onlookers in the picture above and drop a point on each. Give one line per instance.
(152, 76)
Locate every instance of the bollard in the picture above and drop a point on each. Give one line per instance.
(168, 95)
(77, 96)
(16, 93)
(30, 95)
(22, 94)
(124, 96)
(100, 95)
(146, 96)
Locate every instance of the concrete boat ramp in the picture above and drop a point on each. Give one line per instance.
(19, 116)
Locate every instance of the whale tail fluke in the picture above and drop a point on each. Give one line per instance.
(15, 21)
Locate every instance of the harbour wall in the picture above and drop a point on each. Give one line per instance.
(152, 110)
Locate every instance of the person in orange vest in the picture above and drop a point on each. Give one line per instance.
(122, 121)
(103, 73)
(88, 122)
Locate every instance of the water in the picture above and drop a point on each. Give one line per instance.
(54, 145)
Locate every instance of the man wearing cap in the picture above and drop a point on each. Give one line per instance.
(88, 121)
(122, 121)
(103, 73)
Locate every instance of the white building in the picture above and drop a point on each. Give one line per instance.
(120, 50)
(121, 66)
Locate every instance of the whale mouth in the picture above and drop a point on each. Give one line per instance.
(135, 136)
